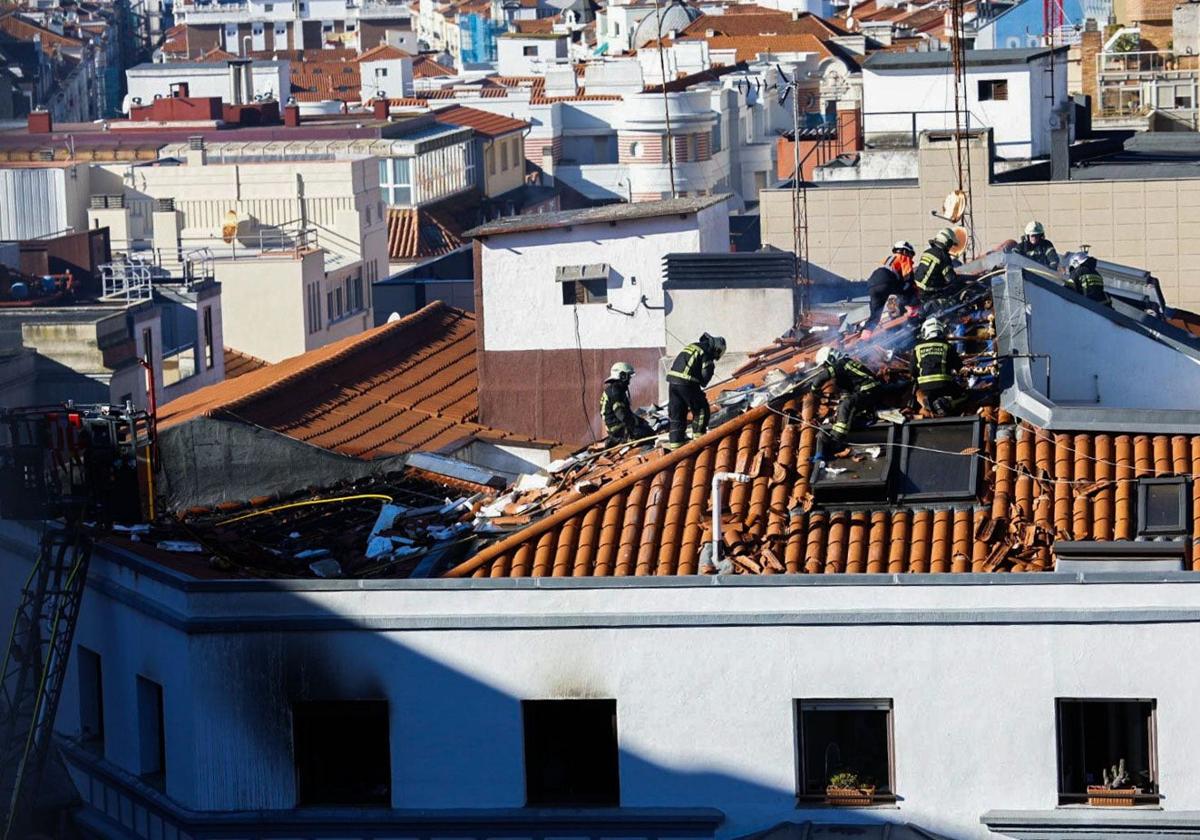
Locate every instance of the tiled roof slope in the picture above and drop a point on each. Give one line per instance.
(421, 233)
(238, 363)
(484, 122)
(653, 520)
(405, 386)
(766, 22)
(425, 67)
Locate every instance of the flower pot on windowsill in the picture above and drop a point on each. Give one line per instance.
(1102, 797)
(849, 797)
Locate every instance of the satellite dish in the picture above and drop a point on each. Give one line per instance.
(953, 206)
(960, 241)
(229, 229)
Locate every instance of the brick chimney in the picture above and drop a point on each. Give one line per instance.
(381, 107)
(40, 122)
(1091, 42)
(291, 115)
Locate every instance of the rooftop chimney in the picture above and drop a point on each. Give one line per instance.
(381, 106)
(40, 122)
(197, 155)
(291, 115)
(179, 90)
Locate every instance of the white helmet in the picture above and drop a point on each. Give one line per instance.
(829, 355)
(946, 237)
(621, 370)
(1035, 228)
(1077, 259)
(932, 328)
(904, 247)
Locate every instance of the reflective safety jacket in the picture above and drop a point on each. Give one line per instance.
(1043, 252)
(1086, 280)
(848, 375)
(934, 271)
(614, 405)
(934, 362)
(693, 364)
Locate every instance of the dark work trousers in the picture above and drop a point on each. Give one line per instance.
(685, 398)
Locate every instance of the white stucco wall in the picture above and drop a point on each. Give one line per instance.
(523, 302)
(704, 677)
(271, 78)
(1020, 123)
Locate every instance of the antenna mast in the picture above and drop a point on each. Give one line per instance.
(958, 58)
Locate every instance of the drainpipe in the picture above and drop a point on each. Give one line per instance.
(740, 478)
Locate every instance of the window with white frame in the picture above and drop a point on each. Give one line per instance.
(395, 180)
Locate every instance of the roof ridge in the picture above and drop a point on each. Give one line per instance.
(534, 529)
(354, 344)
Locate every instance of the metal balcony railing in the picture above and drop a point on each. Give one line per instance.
(128, 281)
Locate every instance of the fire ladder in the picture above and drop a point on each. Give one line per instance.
(63, 465)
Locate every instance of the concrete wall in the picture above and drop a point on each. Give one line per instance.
(498, 178)
(270, 78)
(511, 59)
(1150, 224)
(747, 317)
(704, 679)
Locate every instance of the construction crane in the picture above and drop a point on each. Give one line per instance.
(77, 470)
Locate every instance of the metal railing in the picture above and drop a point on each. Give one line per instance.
(935, 121)
(1139, 63)
(129, 280)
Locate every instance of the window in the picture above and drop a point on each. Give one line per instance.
(257, 29)
(395, 180)
(380, 72)
(993, 90)
(503, 156)
(636, 149)
(939, 460)
(1095, 735)
(616, 27)
(715, 141)
(571, 753)
(269, 7)
(529, 52)
(470, 167)
(583, 283)
(490, 154)
(1163, 506)
(342, 752)
(91, 698)
(208, 338)
(151, 735)
(865, 474)
(844, 736)
(314, 308)
(148, 345)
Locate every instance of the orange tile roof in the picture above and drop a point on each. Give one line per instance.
(484, 122)
(768, 22)
(238, 363)
(536, 25)
(405, 386)
(326, 80)
(384, 52)
(24, 30)
(424, 67)
(416, 233)
(749, 47)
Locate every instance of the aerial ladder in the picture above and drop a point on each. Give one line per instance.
(79, 470)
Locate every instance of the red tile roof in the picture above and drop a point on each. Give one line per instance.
(484, 122)
(23, 29)
(537, 25)
(749, 47)
(384, 52)
(238, 363)
(326, 80)
(417, 233)
(767, 22)
(424, 67)
(405, 386)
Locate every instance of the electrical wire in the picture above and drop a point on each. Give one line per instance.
(587, 417)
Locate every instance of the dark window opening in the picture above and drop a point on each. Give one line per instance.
(1163, 506)
(148, 345)
(1096, 735)
(844, 736)
(342, 752)
(939, 460)
(208, 338)
(91, 698)
(584, 291)
(571, 753)
(152, 750)
(993, 90)
(529, 51)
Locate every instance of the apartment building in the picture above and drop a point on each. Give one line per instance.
(554, 678)
(240, 27)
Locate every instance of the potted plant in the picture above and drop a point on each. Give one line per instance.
(845, 789)
(1117, 791)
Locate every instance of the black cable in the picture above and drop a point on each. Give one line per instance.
(587, 419)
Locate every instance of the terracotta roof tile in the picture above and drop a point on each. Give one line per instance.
(238, 363)
(408, 385)
(484, 122)
(766, 22)
(424, 67)
(422, 233)
(384, 52)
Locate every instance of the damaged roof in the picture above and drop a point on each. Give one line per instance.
(409, 385)
(597, 215)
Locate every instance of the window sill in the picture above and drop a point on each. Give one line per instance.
(889, 802)
(1090, 821)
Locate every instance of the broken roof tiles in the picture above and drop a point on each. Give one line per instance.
(405, 386)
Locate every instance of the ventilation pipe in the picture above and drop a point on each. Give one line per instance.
(719, 479)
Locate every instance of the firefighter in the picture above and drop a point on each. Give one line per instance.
(860, 389)
(934, 273)
(1085, 279)
(1037, 247)
(692, 370)
(620, 421)
(893, 277)
(935, 366)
